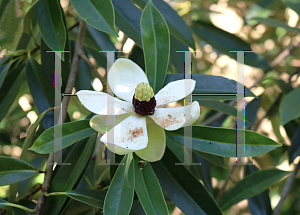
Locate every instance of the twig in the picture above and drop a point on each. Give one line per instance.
(74, 67)
(33, 191)
(93, 68)
(286, 189)
(73, 26)
(65, 102)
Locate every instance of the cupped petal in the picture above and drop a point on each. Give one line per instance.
(99, 122)
(156, 143)
(96, 102)
(174, 118)
(123, 77)
(129, 134)
(175, 91)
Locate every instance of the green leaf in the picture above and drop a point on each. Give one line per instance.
(293, 4)
(225, 42)
(119, 196)
(222, 141)
(79, 157)
(99, 14)
(5, 203)
(91, 197)
(177, 58)
(13, 170)
(183, 188)
(208, 84)
(10, 89)
(3, 5)
(220, 106)
(178, 28)
(3, 73)
(156, 45)
(71, 132)
(128, 19)
(294, 150)
(148, 189)
(27, 21)
(251, 185)
(51, 24)
(276, 24)
(290, 106)
(262, 9)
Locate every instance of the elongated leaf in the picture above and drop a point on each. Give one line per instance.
(251, 185)
(99, 14)
(79, 157)
(119, 196)
(156, 45)
(209, 84)
(128, 19)
(3, 73)
(276, 24)
(178, 28)
(251, 111)
(51, 24)
(2, 7)
(290, 106)
(27, 22)
(177, 58)
(148, 189)
(10, 89)
(225, 42)
(294, 150)
(13, 170)
(91, 197)
(259, 204)
(222, 141)
(293, 4)
(71, 132)
(183, 189)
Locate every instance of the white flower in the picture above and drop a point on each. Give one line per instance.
(143, 135)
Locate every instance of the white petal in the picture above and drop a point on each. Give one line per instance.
(129, 134)
(174, 118)
(156, 143)
(123, 77)
(98, 122)
(175, 91)
(96, 102)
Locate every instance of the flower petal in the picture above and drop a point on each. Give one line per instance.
(98, 122)
(129, 134)
(174, 118)
(123, 77)
(96, 102)
(156, 143)
(175, 91)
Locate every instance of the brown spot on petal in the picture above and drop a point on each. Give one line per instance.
(166, 121)
(137, 132)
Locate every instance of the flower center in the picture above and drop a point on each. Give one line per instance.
(143, 100)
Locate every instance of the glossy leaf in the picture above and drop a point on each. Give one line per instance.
(3, 73)
(222, 141)
(260, 203)
(148, 189)
(276, 24)
(156, 45)
(181, 186)
(177, 58)
(79, 157)
(71, 132)
(178, 28)
(294, 150)
(119, 196)
(290, 106)
(225, 42)
(51, 24)
(128, 19)
(99, 14)
(293, 4)
(10, 89)
(27, 22)
(251, 111)
(91, 197)
(208, 84)
(13, 170)
(251, 185)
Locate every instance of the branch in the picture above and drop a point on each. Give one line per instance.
(65, 102)
(286, 189)
(93, 68)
